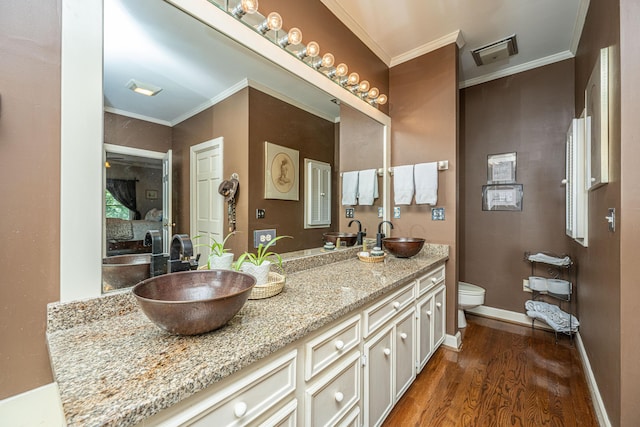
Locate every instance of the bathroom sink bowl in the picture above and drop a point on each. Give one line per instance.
(403, 247)
(193, 302)
(124, 271)
(349, 239)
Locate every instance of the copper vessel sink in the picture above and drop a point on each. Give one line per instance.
(124, 271)
(403, 247)
(349, 239)
(194, 302)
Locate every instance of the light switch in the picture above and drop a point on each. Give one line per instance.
(260, 213)
(348, 212)
(396, 212)
(437, 214)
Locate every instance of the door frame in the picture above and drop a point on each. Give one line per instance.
(194, 150)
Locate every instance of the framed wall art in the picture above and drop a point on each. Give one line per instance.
(502, 197)
(151, 194)
(281, 172)
(501, 168)
(596, 101)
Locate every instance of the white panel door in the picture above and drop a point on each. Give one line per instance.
(207, 205)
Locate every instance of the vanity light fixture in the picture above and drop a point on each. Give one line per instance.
(311, 50)
(382, 99)
(245, 6)
(363, 88)
(352, 81)
(373, 93)
(273, 22)
(324, 63)
(339, 71)
(293, 37)
(143, 88)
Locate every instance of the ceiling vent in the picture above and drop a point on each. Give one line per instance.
(496, 51)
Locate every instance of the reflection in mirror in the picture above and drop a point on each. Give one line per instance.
(210, 88)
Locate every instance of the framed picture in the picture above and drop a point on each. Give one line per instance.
(502, 197)
(596, 101)
(501, 168)
(281, 172)
(151, 194)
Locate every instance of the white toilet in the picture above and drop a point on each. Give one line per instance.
(469, 296)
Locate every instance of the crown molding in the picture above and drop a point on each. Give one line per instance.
(335, 8)
(454, 37)
(579, 25)
(518, 69)
(137, 116)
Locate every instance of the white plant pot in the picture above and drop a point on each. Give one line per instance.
(221, 262)
(260, 272)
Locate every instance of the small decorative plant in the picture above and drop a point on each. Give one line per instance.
(258, 263)
(218, 252)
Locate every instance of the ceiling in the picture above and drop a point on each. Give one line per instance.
(152, 42)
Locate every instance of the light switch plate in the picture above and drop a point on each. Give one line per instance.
(396, 212)
(348, 213)
(263, 236)
(437, 214)
(260, 214)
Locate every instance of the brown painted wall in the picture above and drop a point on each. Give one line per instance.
(527, 113)
(283, 124)
(29, 188)
(599, 287)
(130, 132)
(629, 211)
(360, 148)
(317, 23)
(424, 113)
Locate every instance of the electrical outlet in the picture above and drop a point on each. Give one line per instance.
(263, 236)
(437, 214)
(525, 285)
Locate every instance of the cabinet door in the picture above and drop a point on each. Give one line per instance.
(378, 377)
(405, 351)
(425, 319)
(439, 320)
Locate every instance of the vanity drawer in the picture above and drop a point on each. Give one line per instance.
(328, 347)
(378, 314)
(335, 394)
(252, 395)
(430, 279)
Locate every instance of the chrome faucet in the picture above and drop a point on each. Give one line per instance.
(380, 234)
(361, 233)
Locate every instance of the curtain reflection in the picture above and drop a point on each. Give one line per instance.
(124, 191)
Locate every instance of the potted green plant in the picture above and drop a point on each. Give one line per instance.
(258, 263)
(219, 257)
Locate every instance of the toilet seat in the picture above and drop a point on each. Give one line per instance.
(469, 289)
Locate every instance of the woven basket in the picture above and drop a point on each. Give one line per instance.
(272, 287)
(372, 258)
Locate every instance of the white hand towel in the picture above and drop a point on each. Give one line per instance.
(426, 181)
(367, 187)
(349, 188)
(403, 187)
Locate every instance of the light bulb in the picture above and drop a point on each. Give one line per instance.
(342, 69)
(373, 93)
(245, 6)
(353, 79)
(273, 22)
(327, 60)
(294, 37)
(382, 99)
(313, 49)
(363, 86)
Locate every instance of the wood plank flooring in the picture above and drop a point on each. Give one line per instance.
(504, 375)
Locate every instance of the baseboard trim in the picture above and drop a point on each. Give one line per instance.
(507, 316)
(523, 319)
(598, 404)
(454, 342)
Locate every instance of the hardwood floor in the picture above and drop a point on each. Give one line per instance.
(504, 375)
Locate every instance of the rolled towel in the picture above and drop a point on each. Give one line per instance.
(349, 188)
(547, 259)
(426, 181)
(367, 187)
(403, 186)
(552, 314)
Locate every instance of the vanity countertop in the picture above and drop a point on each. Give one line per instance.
(116, 368)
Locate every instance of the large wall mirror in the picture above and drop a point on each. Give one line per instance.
(213, 88)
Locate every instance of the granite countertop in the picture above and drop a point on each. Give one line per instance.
(116, 368)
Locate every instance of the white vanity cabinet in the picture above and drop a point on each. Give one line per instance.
(430, 313)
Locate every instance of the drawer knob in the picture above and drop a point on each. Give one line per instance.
(387, 351)
(438, 304)
(429, 313)
(403, 336)
(434, 280)
(240, 409)
(396, 305)
(339, 397)
(339, 345)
